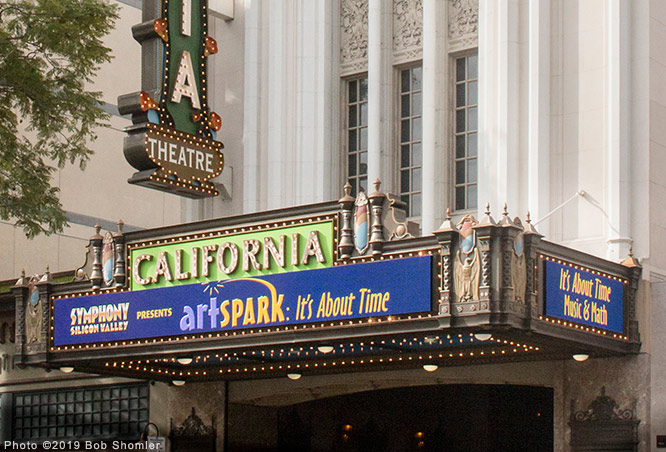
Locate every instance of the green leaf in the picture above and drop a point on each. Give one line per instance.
(50, 51)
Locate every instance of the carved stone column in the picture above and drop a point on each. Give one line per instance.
(20, 291)
(507, 235)
(630, 300)
(44, 287)
(446, 235)
(346, 243)
(96, 276)
(120, 267)
(485, 232)
(377, 228)
(532, 241)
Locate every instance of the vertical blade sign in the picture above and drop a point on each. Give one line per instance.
(172, 142)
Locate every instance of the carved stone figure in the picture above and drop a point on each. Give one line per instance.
(466, 275)
(467, 263)
(33, 318)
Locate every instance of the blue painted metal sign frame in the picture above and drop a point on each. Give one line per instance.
(376, 289)
(584, 297)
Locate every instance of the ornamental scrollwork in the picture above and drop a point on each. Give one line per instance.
(353, 30)
(407, 24)
(463, 18)
(603, 408)
(193, 426)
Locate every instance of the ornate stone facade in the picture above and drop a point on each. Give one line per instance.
(407, 25)
(354, 34)
(463, 24)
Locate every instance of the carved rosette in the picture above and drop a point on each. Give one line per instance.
(354, 34)
(407, 27)
(463, 24)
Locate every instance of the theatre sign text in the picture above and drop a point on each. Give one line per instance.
(172, 142)
(286, 284)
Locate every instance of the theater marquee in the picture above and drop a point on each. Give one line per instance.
(313, 296)
(259, 295)
(584, 296)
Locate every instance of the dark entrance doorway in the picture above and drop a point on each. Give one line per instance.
(451, 418)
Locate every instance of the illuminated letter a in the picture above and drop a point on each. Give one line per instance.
(185, 83)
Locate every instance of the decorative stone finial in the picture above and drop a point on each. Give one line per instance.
(347, 189)
(377, 183)
(21, 281)
(98, 228)
(120, 226)
(47, 276)
(630, 260)
(505, 220)
(447, 225)
(529, 227)
(487, 219)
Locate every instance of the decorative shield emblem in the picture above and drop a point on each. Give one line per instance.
(108, 258)
(33, 293)
(468, 236)
(361, 223)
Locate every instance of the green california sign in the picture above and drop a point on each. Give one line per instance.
(229, 256)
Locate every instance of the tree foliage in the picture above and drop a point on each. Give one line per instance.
(50, 51)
